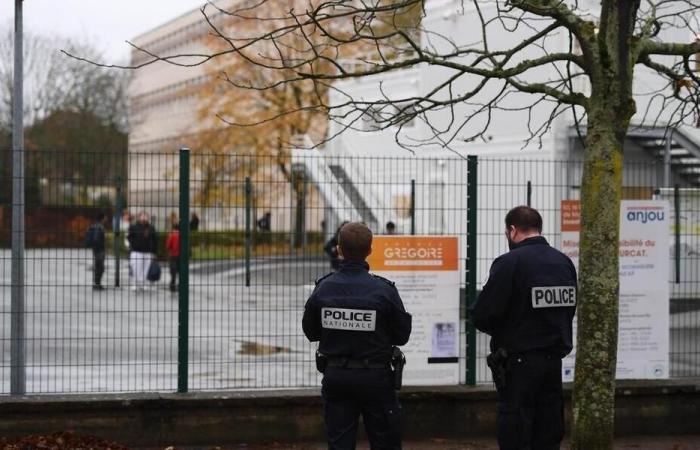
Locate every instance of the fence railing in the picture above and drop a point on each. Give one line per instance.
(258, 225)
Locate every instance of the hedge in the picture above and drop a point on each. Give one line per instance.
(231, 244)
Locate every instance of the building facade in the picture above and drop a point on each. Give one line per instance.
(167, 101)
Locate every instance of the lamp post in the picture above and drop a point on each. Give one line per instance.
(17, 355)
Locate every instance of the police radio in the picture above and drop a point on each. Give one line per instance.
(321, 361)
(398, 361)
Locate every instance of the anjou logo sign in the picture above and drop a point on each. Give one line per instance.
(644, 216)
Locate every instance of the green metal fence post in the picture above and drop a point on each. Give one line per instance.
(529, 193)
(304, 195)
(677, 231)
(18, 370)
(470, 267)
(248, 231)
(117, 231)
(413, 207)
(293, 235)
(184, 275)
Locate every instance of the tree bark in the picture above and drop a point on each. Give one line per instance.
(594, 384)
(610, 108)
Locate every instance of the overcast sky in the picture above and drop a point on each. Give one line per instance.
(105, 23)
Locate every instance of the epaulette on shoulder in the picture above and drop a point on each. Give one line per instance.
(387, 281)
(318, 280)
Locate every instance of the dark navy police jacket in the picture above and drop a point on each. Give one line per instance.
(356, 315)
(529, 300)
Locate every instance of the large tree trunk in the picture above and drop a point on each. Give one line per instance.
(594, 384)
(610, 108)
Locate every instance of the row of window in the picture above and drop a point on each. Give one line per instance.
(169, 144)
(167, 94)
(191, 33)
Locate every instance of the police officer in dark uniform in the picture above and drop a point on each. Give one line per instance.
(357, 317)
(527, 306)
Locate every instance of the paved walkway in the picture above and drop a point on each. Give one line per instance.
(636, 443)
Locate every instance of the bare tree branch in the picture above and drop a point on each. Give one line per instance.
(669, 48)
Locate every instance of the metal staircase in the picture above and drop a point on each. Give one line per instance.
(314, 165)
(684, 148)
(354, 195)
(341, 183)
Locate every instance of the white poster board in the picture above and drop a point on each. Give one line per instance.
(426, 272)
(688, 281)
(643, 337)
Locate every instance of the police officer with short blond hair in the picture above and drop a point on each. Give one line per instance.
(527, 306)
(357, 318)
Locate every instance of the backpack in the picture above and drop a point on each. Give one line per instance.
(153, 271)
(91, 236)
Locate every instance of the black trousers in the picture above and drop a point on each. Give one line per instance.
(174, 270)
(531, 405)
(351, 393)
(98, 269)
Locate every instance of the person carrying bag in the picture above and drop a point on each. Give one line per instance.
(154, 270)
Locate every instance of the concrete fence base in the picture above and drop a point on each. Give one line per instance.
(206, 419)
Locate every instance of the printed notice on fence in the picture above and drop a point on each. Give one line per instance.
(425, 270)
(643, 339)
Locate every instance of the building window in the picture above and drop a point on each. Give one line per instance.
(436, 205)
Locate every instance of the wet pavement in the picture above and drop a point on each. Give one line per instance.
(636, 443)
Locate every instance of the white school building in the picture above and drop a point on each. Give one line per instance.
(346, 187)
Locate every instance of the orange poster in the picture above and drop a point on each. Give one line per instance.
(426, 272)
(570, 215)
(412, 253)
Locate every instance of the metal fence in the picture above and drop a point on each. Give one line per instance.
(543, 184)
(257, 244)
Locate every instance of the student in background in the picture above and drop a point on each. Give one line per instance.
(143, 242)
(172, 244)
(331, 248)
(95, 240)
(194, 222)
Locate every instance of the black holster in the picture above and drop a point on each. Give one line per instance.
(321, 361)
(497, 363)
(398, 361)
